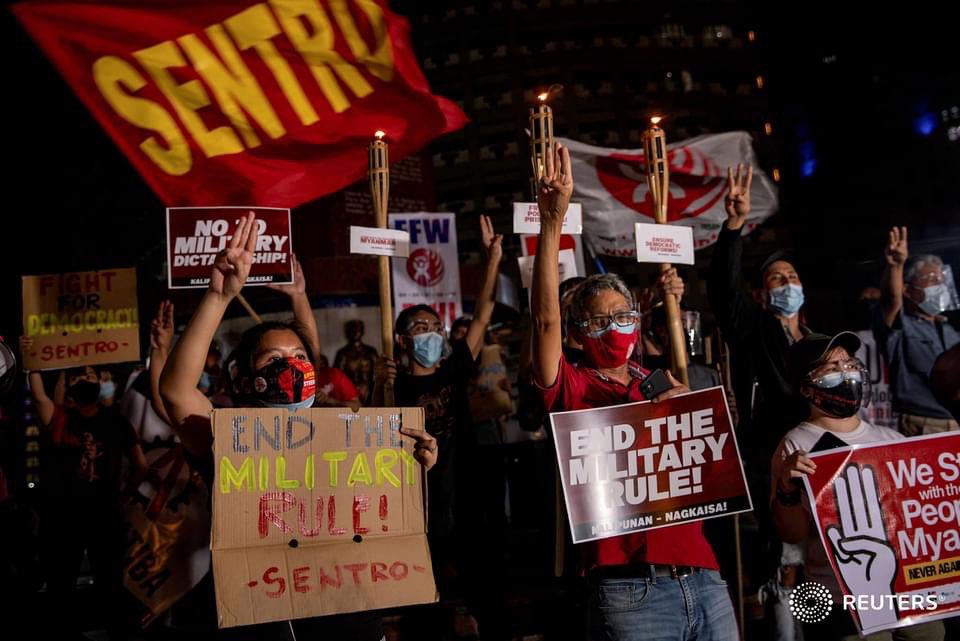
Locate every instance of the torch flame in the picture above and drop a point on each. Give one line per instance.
(543, 97)
(380, 134)
(656, 120)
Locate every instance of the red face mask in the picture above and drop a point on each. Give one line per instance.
(609, 349)
(289, 383)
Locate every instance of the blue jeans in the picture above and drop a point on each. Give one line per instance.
(691, 608)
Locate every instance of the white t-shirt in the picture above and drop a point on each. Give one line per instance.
(804, 437)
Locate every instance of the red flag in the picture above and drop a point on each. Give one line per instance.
(243, 102)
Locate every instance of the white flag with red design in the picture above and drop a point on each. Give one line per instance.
(611, 184)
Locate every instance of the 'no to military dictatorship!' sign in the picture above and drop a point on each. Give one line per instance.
(640, 466)
(195, 235)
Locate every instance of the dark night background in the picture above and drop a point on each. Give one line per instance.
(861, 107)
(856, 107)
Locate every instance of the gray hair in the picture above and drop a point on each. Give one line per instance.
(916, 262)
(592, 286)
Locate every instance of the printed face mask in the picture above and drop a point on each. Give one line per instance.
(285, 383)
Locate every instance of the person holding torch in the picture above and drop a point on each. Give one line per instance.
(646, 586)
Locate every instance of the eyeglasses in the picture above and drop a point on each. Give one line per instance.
(832, 373)
(423, 327)
(604, 322)
(932, 278)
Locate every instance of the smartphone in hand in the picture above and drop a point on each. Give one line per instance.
(655, 384)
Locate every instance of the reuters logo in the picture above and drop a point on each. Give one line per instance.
(811, 602)
(425, 267)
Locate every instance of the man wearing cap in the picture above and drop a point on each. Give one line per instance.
(759, 330)
(912, 333)
(834, 385)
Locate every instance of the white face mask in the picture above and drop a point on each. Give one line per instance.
(936, 299)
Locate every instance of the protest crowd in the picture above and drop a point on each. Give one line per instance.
(594, 457)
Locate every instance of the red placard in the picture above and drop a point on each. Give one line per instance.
(195, 235)
(640, 466)
(888, 517)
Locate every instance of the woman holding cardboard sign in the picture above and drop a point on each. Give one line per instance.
(275, 368)
(644, 583)
(268, 356)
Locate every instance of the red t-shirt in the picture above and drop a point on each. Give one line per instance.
(579, 388)
(335, 384)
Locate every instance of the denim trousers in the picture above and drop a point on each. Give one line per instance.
(696, 607)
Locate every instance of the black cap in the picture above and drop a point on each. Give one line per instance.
(807, 353)
(780, 254)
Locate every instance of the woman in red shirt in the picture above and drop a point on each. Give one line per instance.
(657, 585)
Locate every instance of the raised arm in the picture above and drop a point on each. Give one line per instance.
(727, 298)
(553, 196)
(485, 303)
(161, 337)
(896, 255)
(187, 407)
(302, 312)
(790, 517)
(38, 394)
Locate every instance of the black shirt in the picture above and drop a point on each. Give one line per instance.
(443, 394)
(759, 347)
(85, 456)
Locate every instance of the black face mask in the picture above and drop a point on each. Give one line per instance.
(842, 400)
(84, 392)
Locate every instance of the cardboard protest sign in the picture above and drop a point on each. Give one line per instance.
(195, 235)
(888, 516)
(526, 219)
(81, 318)
(640, 466)
(664, 244)
(317, 512)
(430, 275)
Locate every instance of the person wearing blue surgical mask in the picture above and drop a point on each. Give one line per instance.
(759, 331)
(433, 372)
(912, 333)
